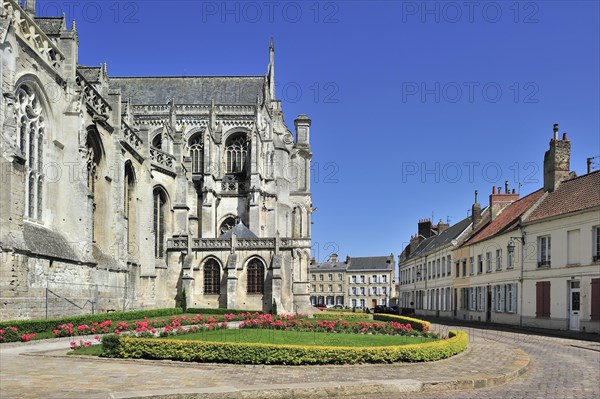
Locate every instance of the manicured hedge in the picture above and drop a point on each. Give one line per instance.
(38, 326)
(255, 353)
(416, 324)
(220, 311)
(334, 316)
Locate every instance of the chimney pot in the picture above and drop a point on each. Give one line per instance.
(494, 190)
(565, 137)
(556, 131)
(499, 190)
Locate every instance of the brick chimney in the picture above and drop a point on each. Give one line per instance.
(333, 258)
(425, 228)
(557, 161)
(499, 201)
(476, 212)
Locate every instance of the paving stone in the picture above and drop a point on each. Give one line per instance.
(559, 368)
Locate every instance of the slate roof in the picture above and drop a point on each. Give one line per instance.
(433, 243)
(240, 230)
(371, 263)
(508, 219)
(91, 74)
(45, 242)
(51, 26)
(193, 90)
(571, 195)
(327, 267)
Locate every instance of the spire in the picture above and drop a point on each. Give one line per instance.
(272, 68)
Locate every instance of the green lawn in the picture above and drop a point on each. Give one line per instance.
(94, 350)
(299, 338)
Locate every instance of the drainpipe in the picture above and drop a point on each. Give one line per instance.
(522, 272)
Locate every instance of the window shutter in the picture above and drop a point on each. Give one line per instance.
(484, 298)
(547, 299)
(514, 298)
(539, 299)
(542, 299)
(494, 290)
(595, 311)
(503, 298)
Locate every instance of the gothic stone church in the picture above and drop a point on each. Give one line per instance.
(122, 192)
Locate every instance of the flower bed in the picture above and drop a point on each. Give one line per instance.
(39, 326)
(302, 323)
(417, 324)
(259, 353)
(12, 334)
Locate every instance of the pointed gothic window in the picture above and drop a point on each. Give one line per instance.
(129, 206)
(196, 153)
(157, 141)
(212, 277)
(236, 152)
(93, 157)
(31, 143)
(160, 201)
(227, 225)
(256, 276)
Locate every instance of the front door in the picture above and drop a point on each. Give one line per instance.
(373, 303)
(574, 305)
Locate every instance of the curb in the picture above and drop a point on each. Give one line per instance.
(516, 369)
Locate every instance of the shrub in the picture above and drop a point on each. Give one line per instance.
(110, 344)
(220, 311)
(38, 326)
(255, 353)
(340, 315)
(416, 324)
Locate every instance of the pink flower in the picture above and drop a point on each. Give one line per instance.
(97, 338)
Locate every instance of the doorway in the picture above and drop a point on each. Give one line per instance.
(574, 304)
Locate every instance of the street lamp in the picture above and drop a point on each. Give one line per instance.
(511, 244)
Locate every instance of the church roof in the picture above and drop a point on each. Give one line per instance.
(91, 74)
(50, 25)
(240, 230)
(193, 90)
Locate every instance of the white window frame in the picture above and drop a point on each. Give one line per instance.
(499, 259)
(544, 251)
(488, 262)
(596, 244)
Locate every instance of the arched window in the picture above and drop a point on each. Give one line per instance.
(160, 202)
(93, 158)
(129, 206)
(227, 225)
(212, 277)
(157, 141)
(196, 153)
(256, 276)
(236, 152)
(31, 143)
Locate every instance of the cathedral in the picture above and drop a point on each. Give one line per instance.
(123, 193)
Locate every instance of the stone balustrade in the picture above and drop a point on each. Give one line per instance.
(30, 33)
(161, 157)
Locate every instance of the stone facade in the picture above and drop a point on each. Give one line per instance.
(121, 193)
(358, 282)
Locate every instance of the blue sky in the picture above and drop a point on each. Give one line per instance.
(414, 104)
